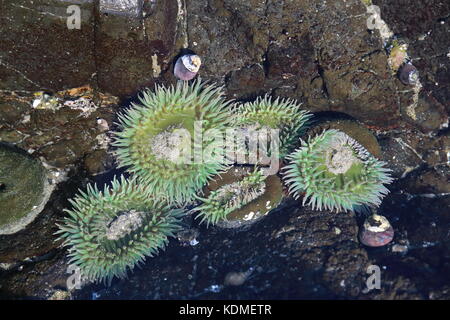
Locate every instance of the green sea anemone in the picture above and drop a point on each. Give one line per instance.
(335, 172)
(169, 141)
(283, 114)
(110, 232)
(227, 198)
(231, 197)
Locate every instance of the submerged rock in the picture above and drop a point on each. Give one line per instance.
(67, 143)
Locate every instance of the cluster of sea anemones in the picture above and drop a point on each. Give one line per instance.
(110, 232)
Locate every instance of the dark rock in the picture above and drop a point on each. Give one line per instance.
(401, 158)
(133, 51)
(246, 82)
(429, 181)
(425, 26)
(69, 142)
(38, 51)
(429, 114)
(64, 135)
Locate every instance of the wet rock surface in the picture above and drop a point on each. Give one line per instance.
(68, 139)
(39, 52)
(319, 52)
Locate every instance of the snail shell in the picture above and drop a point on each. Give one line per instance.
(187, 66)
(376, 231)
(191, 62)
(408, 74)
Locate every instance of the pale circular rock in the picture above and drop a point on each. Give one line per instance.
(24, 189)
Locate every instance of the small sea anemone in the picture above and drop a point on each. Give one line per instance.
(336, 173)
(231, 197)
(239, 197)
(110, 232)
(167, 141)
(282, 114)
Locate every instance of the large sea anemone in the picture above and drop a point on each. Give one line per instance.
(332, 171)
(172, 141)
(285, 115)
(112, 231)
